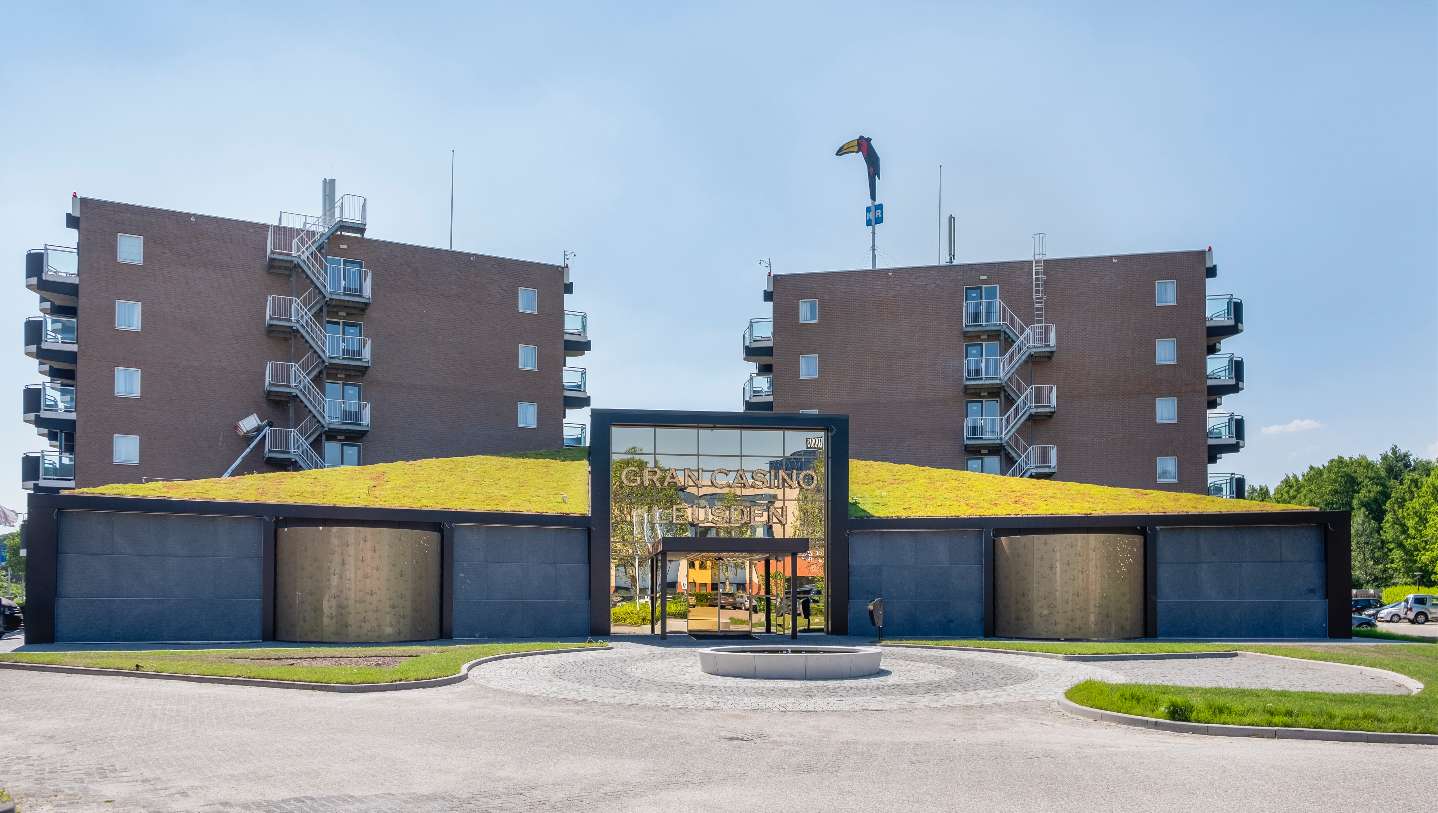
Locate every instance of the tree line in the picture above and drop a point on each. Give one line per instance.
(1394, 501)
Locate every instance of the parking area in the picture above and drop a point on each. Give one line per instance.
(1429, 630)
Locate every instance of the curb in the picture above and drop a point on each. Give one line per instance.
(1264, 732)
(341, 688)
(1135, 656)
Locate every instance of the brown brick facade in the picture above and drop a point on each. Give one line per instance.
(444, 326)
(891, 355)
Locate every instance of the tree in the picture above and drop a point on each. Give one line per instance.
(12, 573)
(1258, 494)
(1410, 528)
(635, 519)
(1370, 553)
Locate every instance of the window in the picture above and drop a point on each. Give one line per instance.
(127, 315)
(809, 366)
(1165, 410)
(808, 310)
(341, 454)
(130, 248)
(1165, 351)
(808, 412)
(127, 382)
(1168, 470)
(528, 414)
(1165, 292)
(528, 357)
(528, 300)
(988, 464)
(126, 450)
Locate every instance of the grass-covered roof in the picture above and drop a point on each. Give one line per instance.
(558, 483)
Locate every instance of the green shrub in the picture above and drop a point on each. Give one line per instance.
(1177, 708)
(628, 615)
(1397, 592)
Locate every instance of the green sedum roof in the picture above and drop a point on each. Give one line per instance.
(558, 483)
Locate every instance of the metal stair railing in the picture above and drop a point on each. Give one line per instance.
(295, 443)
(295, 312)
(291, 376)
(1030, 460)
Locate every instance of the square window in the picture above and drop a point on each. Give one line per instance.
(809, 366)
(528, 357)
(808, 310)
(1166, 409)
(127, 315)
(1168, 469)
(528, 300)
(130, 248)
(528, 415)
(1165, 351)
(1165, 292)
(126, 450)
(127, 382)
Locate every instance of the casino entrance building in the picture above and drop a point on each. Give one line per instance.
(573, 543)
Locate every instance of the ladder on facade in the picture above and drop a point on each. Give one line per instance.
(1039, 278)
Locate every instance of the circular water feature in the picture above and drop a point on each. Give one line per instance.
(777, 662)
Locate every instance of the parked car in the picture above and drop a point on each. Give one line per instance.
(1363, 622)
(1390, 613)
(1361, 605)
(1418, 608)
(10, 616)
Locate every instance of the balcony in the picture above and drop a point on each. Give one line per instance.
(982, 373)
(1225, 377)
(347, 351)
(53, 272)
(349, 417)
(576, 333)
(983, 433)
(1224, 319)
(759, 393)
(576, 388)
(576, 435)
(759, 342)
(50, 340)
(348, 282)
(1225, 435)
(1227, 485)
(49, 407)
(47, 471)
(992, 316)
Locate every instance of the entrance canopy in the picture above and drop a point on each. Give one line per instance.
(750, 548)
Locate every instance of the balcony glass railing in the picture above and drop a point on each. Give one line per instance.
(54, 465)
(576, 324)
(60, 330)
(576, 379)
(1222, 367)
(759, 330)
(62, 261)
(56, 397)
(1222, 308)
(759, 386)
(575, 434)
(1226, 485)
(1226, 426)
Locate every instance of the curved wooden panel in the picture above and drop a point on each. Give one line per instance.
(1069, 585)
(355, 584)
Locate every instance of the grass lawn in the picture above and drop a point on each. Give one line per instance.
(369, 664)
(1261, 707)
(558, 483)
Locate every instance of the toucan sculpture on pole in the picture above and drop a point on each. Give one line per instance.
(864, 146)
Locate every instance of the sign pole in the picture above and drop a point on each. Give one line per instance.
(874, 245)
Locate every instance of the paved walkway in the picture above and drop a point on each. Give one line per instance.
(113, 743)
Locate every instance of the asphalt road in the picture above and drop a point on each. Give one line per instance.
(113, 743)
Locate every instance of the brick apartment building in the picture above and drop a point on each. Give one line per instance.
(161, 330)
(1104, 369)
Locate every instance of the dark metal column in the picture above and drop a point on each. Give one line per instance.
(664, 595)
(768, 598)
(651, 593)
(793, 583)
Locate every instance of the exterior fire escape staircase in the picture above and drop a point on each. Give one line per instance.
(298, 242)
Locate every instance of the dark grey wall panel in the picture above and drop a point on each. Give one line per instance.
(158, 577)
(1242, 582)
(520, 582)
(932, 582)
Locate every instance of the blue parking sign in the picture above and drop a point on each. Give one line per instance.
(874, 215)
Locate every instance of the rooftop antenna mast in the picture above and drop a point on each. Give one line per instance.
(941, 210)
(1039, 278)
(953, 237)
(451, 200)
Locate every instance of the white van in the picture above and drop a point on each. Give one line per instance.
(1418, 608)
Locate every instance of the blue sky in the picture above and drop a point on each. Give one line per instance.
(673, 145)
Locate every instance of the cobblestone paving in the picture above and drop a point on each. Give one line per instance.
(641, 675)
(1258, 672)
